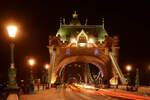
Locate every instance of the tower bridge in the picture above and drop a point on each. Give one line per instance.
(86, 44)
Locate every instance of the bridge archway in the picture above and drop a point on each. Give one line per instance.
(100, 64)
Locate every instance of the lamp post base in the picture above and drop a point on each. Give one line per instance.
(12, 79)
(12, 86)
(31, 88)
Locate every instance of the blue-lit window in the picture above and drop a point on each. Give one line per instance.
(68, 52)
(96, 52)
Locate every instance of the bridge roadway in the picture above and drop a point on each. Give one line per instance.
(65, 94)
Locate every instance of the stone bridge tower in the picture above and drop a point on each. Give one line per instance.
(75, 42)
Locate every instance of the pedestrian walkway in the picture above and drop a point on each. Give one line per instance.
(50, 94)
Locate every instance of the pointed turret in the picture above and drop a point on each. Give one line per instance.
(103, 23)
(86, 20)
(75, 20)
(103, 32)
(64, 22)
(75, 15)
(60, 20)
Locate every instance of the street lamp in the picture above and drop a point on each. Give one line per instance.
(128, 68)
(12, 71)
(46, 75)
(31, 63)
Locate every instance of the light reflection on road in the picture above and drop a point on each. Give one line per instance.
(65, 94)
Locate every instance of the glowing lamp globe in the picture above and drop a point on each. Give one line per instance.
(128, 68)
(46, 66)
(31, 62)
(12, 31)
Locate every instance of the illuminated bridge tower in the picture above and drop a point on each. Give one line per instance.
(77, 44)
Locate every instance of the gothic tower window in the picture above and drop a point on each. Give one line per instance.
(96, 52)
(82, 39)
(68, 52)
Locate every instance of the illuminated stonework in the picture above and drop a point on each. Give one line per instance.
(82, 43)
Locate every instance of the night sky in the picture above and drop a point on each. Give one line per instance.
(36, 20)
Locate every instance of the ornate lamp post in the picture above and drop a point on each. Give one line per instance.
(12, 71)
(46, 78)
(137, 81)
(31, 63)
(128, 68)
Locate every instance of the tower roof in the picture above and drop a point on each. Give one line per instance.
(66, 31)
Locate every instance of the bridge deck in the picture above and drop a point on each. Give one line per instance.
(65, 94)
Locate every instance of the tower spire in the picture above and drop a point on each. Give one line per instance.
(75, 15)
(64, 21)
(103, 23)
(60, 20)
(86, 21)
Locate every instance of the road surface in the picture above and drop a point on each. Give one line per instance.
(65, 94)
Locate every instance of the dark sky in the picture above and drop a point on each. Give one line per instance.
(38, 19)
